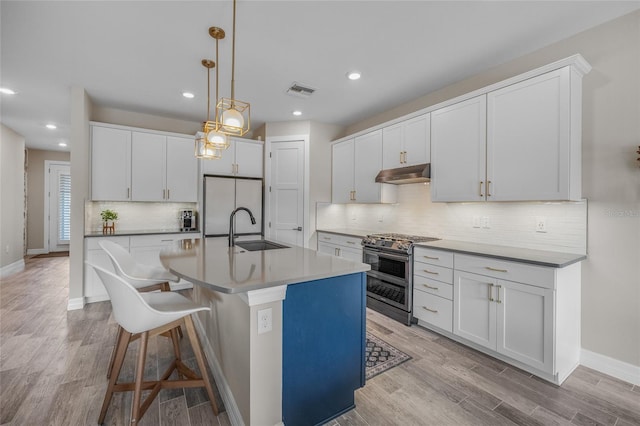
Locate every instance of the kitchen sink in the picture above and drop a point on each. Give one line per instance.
(259, 245)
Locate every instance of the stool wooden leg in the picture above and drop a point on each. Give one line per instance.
(113, 353)
(197, 350)
(137, 393)
(124, 337)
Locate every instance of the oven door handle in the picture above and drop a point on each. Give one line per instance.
(380, 253)
(388, 278)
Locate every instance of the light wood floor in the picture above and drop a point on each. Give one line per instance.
(53, 362)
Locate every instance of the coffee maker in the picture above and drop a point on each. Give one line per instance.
(187, 220)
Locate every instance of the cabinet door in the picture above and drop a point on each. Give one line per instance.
(416, 140)
(367, 164)
(148, 166)
(222, 166)
(182, 170)
(474, 313)
(392, 148)
(110, 164)
(351, 254)
(342, 172)
(458, 143)
(327, 248)
(528, 139)
(525, 324)
(249, 159)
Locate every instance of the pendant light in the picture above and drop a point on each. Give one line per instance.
(214, 136)
(233, 117)
(204, 149)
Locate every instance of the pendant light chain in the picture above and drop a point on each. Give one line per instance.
(233, 52)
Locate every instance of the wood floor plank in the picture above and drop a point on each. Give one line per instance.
(202, 415)
(174, 412)
(484, 416)
(517, 416)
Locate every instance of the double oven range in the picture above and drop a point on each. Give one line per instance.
(390, 280)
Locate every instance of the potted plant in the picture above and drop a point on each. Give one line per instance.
(107, 216)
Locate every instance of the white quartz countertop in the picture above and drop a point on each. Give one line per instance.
(124, 233)
(210, 262)
(552, 259)
(361, 233)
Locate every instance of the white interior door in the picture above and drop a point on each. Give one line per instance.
(59, 207)
(286, 216)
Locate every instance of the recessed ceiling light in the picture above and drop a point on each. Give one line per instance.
(51, 126)
(62, 144)
(354, 75)
(188, 95)
(297, 112)
(7, 91)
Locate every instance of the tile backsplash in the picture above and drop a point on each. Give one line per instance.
(500, 223)
(136, 216)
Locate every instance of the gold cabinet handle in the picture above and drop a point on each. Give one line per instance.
(431, 272)
(163, 193)
(168, 194)
(481, 183)
(432, 258)
(430, 310)
(326, 238)
(495, 269)
(350, 242)
(498, 287)
(429, 287)
(405, 157)
(490, 292)
(400, 157)
(488, 188)
(354, 195)
(128, 193)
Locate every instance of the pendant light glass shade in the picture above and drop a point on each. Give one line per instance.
(216, 138)
(206, 150)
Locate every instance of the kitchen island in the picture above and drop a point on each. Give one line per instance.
(286, 332)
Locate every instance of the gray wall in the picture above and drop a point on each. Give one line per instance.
(11, 196)
(610, 174)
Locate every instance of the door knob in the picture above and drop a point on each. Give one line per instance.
(299, 228)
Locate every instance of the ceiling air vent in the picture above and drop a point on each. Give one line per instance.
(300, 90)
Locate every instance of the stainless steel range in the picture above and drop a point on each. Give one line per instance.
(390, 280)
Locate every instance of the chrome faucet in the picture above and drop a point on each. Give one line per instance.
(231, 227)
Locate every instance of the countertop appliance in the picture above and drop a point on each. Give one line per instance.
(187, 221)
(224, 194)
(390, 280)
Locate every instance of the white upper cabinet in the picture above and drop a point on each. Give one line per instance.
(519, 142)
(243, 158)
(406, 143)
(110, 164)
(356, 162)
(148, 162)
(182, 170)
(530, 140)
(458, 145)
(134, 165)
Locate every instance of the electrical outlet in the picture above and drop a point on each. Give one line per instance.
(476, 222)
(541, 224)
(265, 320)
(485, 222)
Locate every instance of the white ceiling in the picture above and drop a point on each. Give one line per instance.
(141, 55)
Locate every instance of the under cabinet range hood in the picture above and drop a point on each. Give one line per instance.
(411, 174)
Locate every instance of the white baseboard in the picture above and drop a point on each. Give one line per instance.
(75, 304)
(613, 367)
(37, 251)
(12, 268)
(235, 418)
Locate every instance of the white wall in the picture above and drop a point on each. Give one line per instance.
(611, 178)
(12, 201)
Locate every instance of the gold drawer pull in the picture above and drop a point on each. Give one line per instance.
(432, 288)
(491, 292)
(432, 258)
(430, 272)
(430, 310)
(498, 287)
(326, 238)
(350, 242)
(495, 269)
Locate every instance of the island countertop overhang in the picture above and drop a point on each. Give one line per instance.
(211, 263)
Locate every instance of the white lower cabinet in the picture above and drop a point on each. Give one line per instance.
(433, 288)
(531, 319)
(144, 248)
(340, 245)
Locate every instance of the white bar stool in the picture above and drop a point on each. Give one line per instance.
(142, 277)
(144, 315)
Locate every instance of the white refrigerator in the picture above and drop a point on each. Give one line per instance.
(222, 195)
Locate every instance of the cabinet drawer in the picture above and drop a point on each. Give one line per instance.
(434, 287)
(433, 310)
(155, 240)
(539, 276)
(92, 243)
(433, 257)
(433, 272)
(341, 240)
